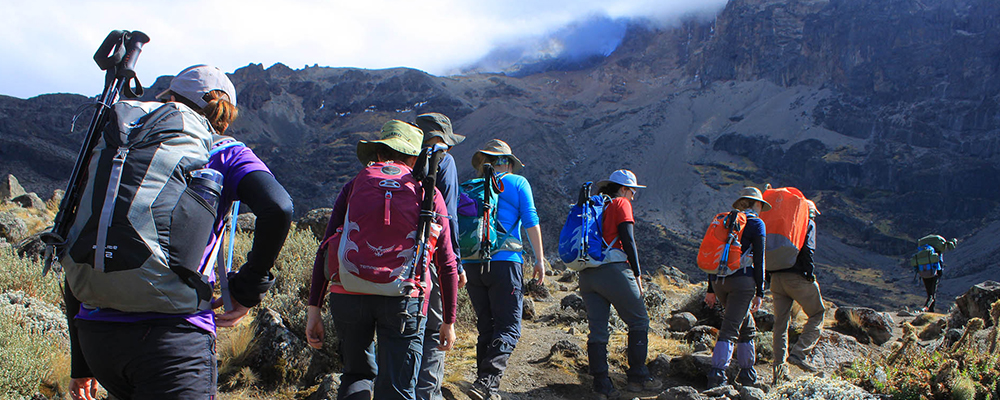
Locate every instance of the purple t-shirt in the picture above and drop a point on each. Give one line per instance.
(234, 162)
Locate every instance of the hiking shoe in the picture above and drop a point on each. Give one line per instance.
(747, 376)
(481, 393)
(647, 384)
(716, 378)
(482, 389)
(801, 363)
(780, 373)
(605, 389)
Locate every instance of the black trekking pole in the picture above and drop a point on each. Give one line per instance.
(489, 178)
(117, 55)
(430, 157)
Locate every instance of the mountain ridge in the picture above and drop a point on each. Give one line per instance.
(886, 113)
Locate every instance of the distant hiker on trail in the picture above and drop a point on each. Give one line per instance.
(740, 292)
(928, 263)
(148, 354)
(797, 284)
(438, 130)
(495, 285)
(615, 282)
(369, 258)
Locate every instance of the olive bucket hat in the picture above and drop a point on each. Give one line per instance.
(495, 147)
(753, 193)
(398, 135)
(437, 124)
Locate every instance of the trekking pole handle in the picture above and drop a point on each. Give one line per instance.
(111, 51)
(133, 47)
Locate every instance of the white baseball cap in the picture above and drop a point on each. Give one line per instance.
(622, 177)
(194, 82)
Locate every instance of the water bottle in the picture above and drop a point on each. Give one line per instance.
(207, 183)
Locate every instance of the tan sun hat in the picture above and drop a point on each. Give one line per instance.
(398, 135)
(753, 193)
(495, 147)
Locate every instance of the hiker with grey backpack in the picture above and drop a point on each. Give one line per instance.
(155, 202)
(388, 227)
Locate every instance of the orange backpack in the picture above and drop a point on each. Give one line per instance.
(786, 223)
(721, 245)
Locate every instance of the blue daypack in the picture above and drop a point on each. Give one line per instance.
(581, 242)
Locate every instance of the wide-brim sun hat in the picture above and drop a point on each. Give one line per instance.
(622, 177)
(753, 193)
(495, 147)
(196, 81)
(397, 135)
(438, 125)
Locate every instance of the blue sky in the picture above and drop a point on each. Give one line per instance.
(48, 45)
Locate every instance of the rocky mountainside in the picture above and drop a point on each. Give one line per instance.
(885, 112)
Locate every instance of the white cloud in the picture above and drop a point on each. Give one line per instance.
(47, 44)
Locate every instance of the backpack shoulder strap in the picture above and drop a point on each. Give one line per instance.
(222, 142)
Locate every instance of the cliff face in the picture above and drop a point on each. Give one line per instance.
(885, 112)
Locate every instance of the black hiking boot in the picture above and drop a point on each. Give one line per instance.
(485, 388)
(929, 305)
(800, 362)
(716, 378)
(646, 384)
(605, 389)
(747, 377)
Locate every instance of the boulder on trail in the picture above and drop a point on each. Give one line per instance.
(682, 321)
(835, 349)
(12, 228)
(30, 200)
(10, 188)
(976, 302)
(865, 324)
(315, 221)
(281, 357)
(680, 393)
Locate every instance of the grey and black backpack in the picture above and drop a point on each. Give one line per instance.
(152, 229)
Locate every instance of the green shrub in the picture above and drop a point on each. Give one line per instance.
(965, 370)
(25, 274)
(964, 389)
(32, 361)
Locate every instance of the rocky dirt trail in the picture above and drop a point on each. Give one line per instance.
(538, 371)
(550, 361)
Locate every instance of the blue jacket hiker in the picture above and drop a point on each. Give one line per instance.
(495, 287)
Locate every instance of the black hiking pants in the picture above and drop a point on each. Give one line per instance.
(155, 359)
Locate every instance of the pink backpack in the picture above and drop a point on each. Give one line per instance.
(376, 247)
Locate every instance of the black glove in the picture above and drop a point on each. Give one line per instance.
(248, 287)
